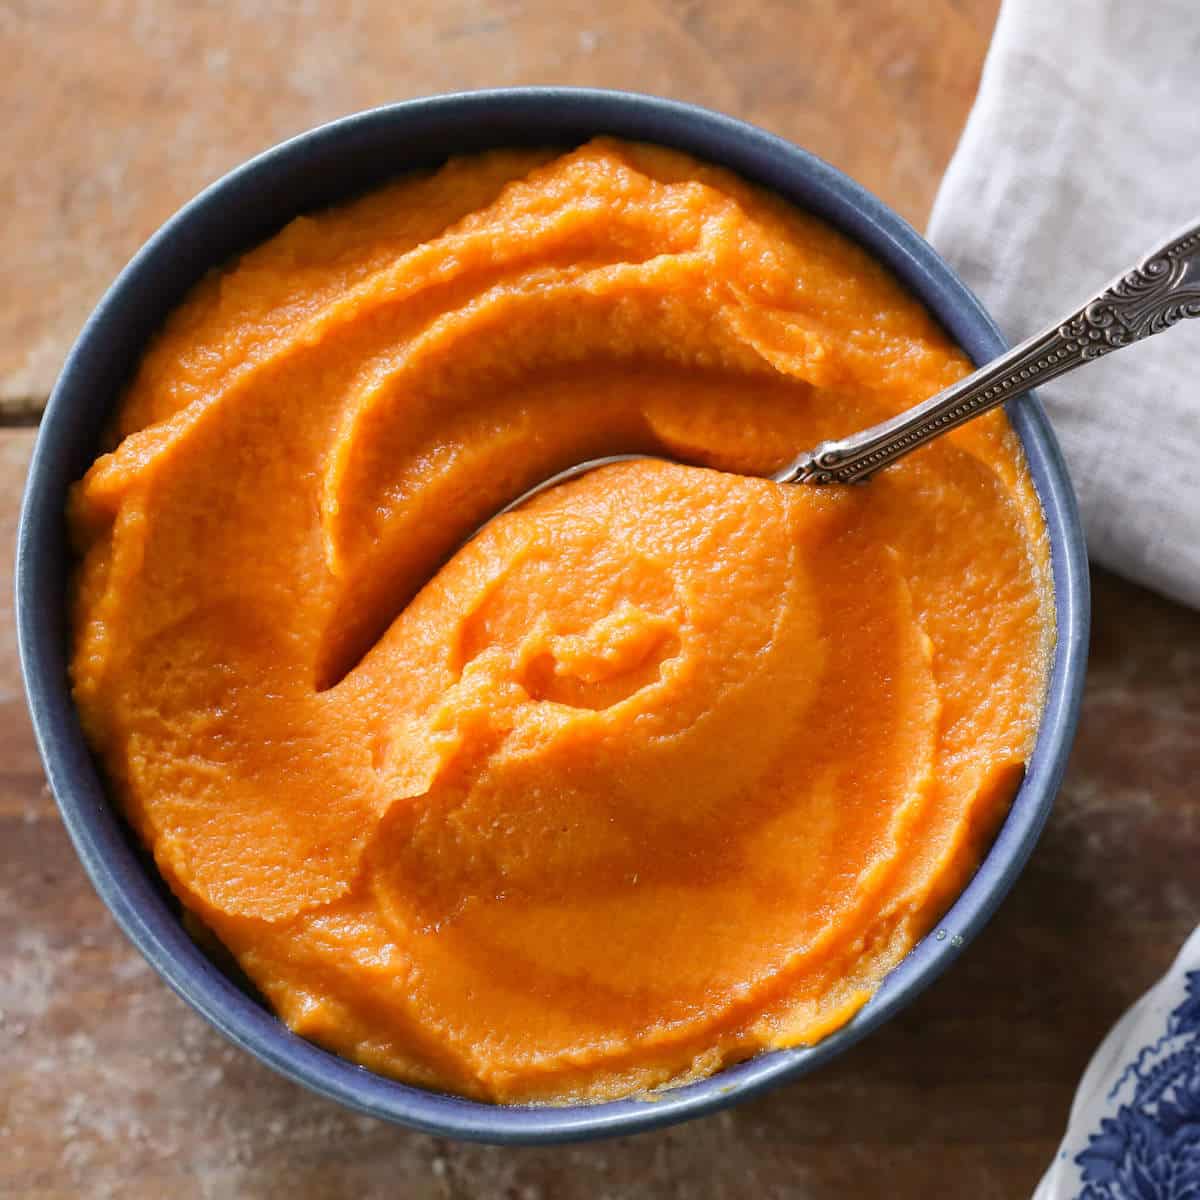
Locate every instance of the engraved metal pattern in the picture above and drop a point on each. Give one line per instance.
(1163, 289)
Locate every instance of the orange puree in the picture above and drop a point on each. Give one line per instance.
(669, 766)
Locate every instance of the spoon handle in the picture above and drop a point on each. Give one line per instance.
(1151, 297)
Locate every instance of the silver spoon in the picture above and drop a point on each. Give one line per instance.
(1163, 289)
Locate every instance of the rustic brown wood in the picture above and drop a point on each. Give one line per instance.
(116, 113)
(110, 1086)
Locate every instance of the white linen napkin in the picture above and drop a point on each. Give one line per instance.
(1081, 154)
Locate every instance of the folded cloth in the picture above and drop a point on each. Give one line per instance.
(1081, 154)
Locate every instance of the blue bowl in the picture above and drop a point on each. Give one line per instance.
(333, 163)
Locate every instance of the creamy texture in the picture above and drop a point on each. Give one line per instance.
(668, 766)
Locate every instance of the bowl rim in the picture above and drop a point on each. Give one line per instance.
(124, 884)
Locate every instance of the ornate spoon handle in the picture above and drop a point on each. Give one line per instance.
(1163, 289)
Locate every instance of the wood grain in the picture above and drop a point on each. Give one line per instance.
(116, 113)
(111, 1087)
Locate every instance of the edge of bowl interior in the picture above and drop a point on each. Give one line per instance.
(330, 163)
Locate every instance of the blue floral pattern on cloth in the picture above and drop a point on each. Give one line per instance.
(1150, 1148)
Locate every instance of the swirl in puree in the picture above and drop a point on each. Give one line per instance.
(670, 765)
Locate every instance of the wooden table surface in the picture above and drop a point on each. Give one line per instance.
(115, 114)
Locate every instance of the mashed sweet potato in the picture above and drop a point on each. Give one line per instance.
(667, 767)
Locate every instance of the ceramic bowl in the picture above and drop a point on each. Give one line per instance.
(333, 163)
